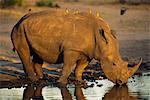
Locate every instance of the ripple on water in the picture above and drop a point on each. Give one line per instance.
(140, 86)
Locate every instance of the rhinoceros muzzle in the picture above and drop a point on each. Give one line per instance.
(120, 75)
(129, 72)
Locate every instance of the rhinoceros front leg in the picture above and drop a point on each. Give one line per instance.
(70, 59)
(80, 69)
(79, 93)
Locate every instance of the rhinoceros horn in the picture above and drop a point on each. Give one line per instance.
(135, 68)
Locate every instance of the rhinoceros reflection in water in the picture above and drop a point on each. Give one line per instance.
(32, 92)
(119, 93)
(116, 93)
(73, 39)
(77, 93)
(35, 93)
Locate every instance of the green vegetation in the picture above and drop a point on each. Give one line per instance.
(11, 3)
(47, 3)
(99, 2)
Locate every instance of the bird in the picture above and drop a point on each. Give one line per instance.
(97, 14)
(77, 11)
(57, 6)
(123, 10)
(72, 11)
(66, 11)
(29, 9)
(90, 11)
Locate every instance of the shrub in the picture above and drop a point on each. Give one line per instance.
(47, 3)
(10, 3)
(20, 2)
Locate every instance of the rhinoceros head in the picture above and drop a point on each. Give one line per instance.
(114, 67)
(118, 71)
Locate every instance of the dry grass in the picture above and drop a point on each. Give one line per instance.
(137, 18)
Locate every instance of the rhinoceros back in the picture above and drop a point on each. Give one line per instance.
(48, 34)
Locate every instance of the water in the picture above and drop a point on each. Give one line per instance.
(55, 93)
(137, 89)
(138, 86)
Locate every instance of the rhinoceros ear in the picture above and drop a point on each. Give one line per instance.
(113, 32)
(102, 33)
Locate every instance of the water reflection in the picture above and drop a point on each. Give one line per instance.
(35, 93)
(32, 92)
(78, 93)
(116, 93)
(119, 93)
(136, 89)
(65, 93)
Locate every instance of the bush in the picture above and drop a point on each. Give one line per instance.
(20, 2)
(47, 3)
(10, 3)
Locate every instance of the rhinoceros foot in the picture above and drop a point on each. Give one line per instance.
(60, 84)
(33, 78)
(80, 82)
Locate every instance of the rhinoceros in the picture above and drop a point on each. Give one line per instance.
(72, 39)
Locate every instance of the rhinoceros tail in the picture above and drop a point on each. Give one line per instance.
(13, 33)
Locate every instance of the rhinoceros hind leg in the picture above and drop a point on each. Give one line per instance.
(38, 62)
(23, 51)
(70, 59)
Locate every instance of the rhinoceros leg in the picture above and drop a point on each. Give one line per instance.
(27, 64)
(38, 62)
(28, 92)
(65, 93)
(80, 69)
(79, 93)
(23, 50)
(70, 59)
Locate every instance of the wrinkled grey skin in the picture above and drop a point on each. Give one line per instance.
(74, 39)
